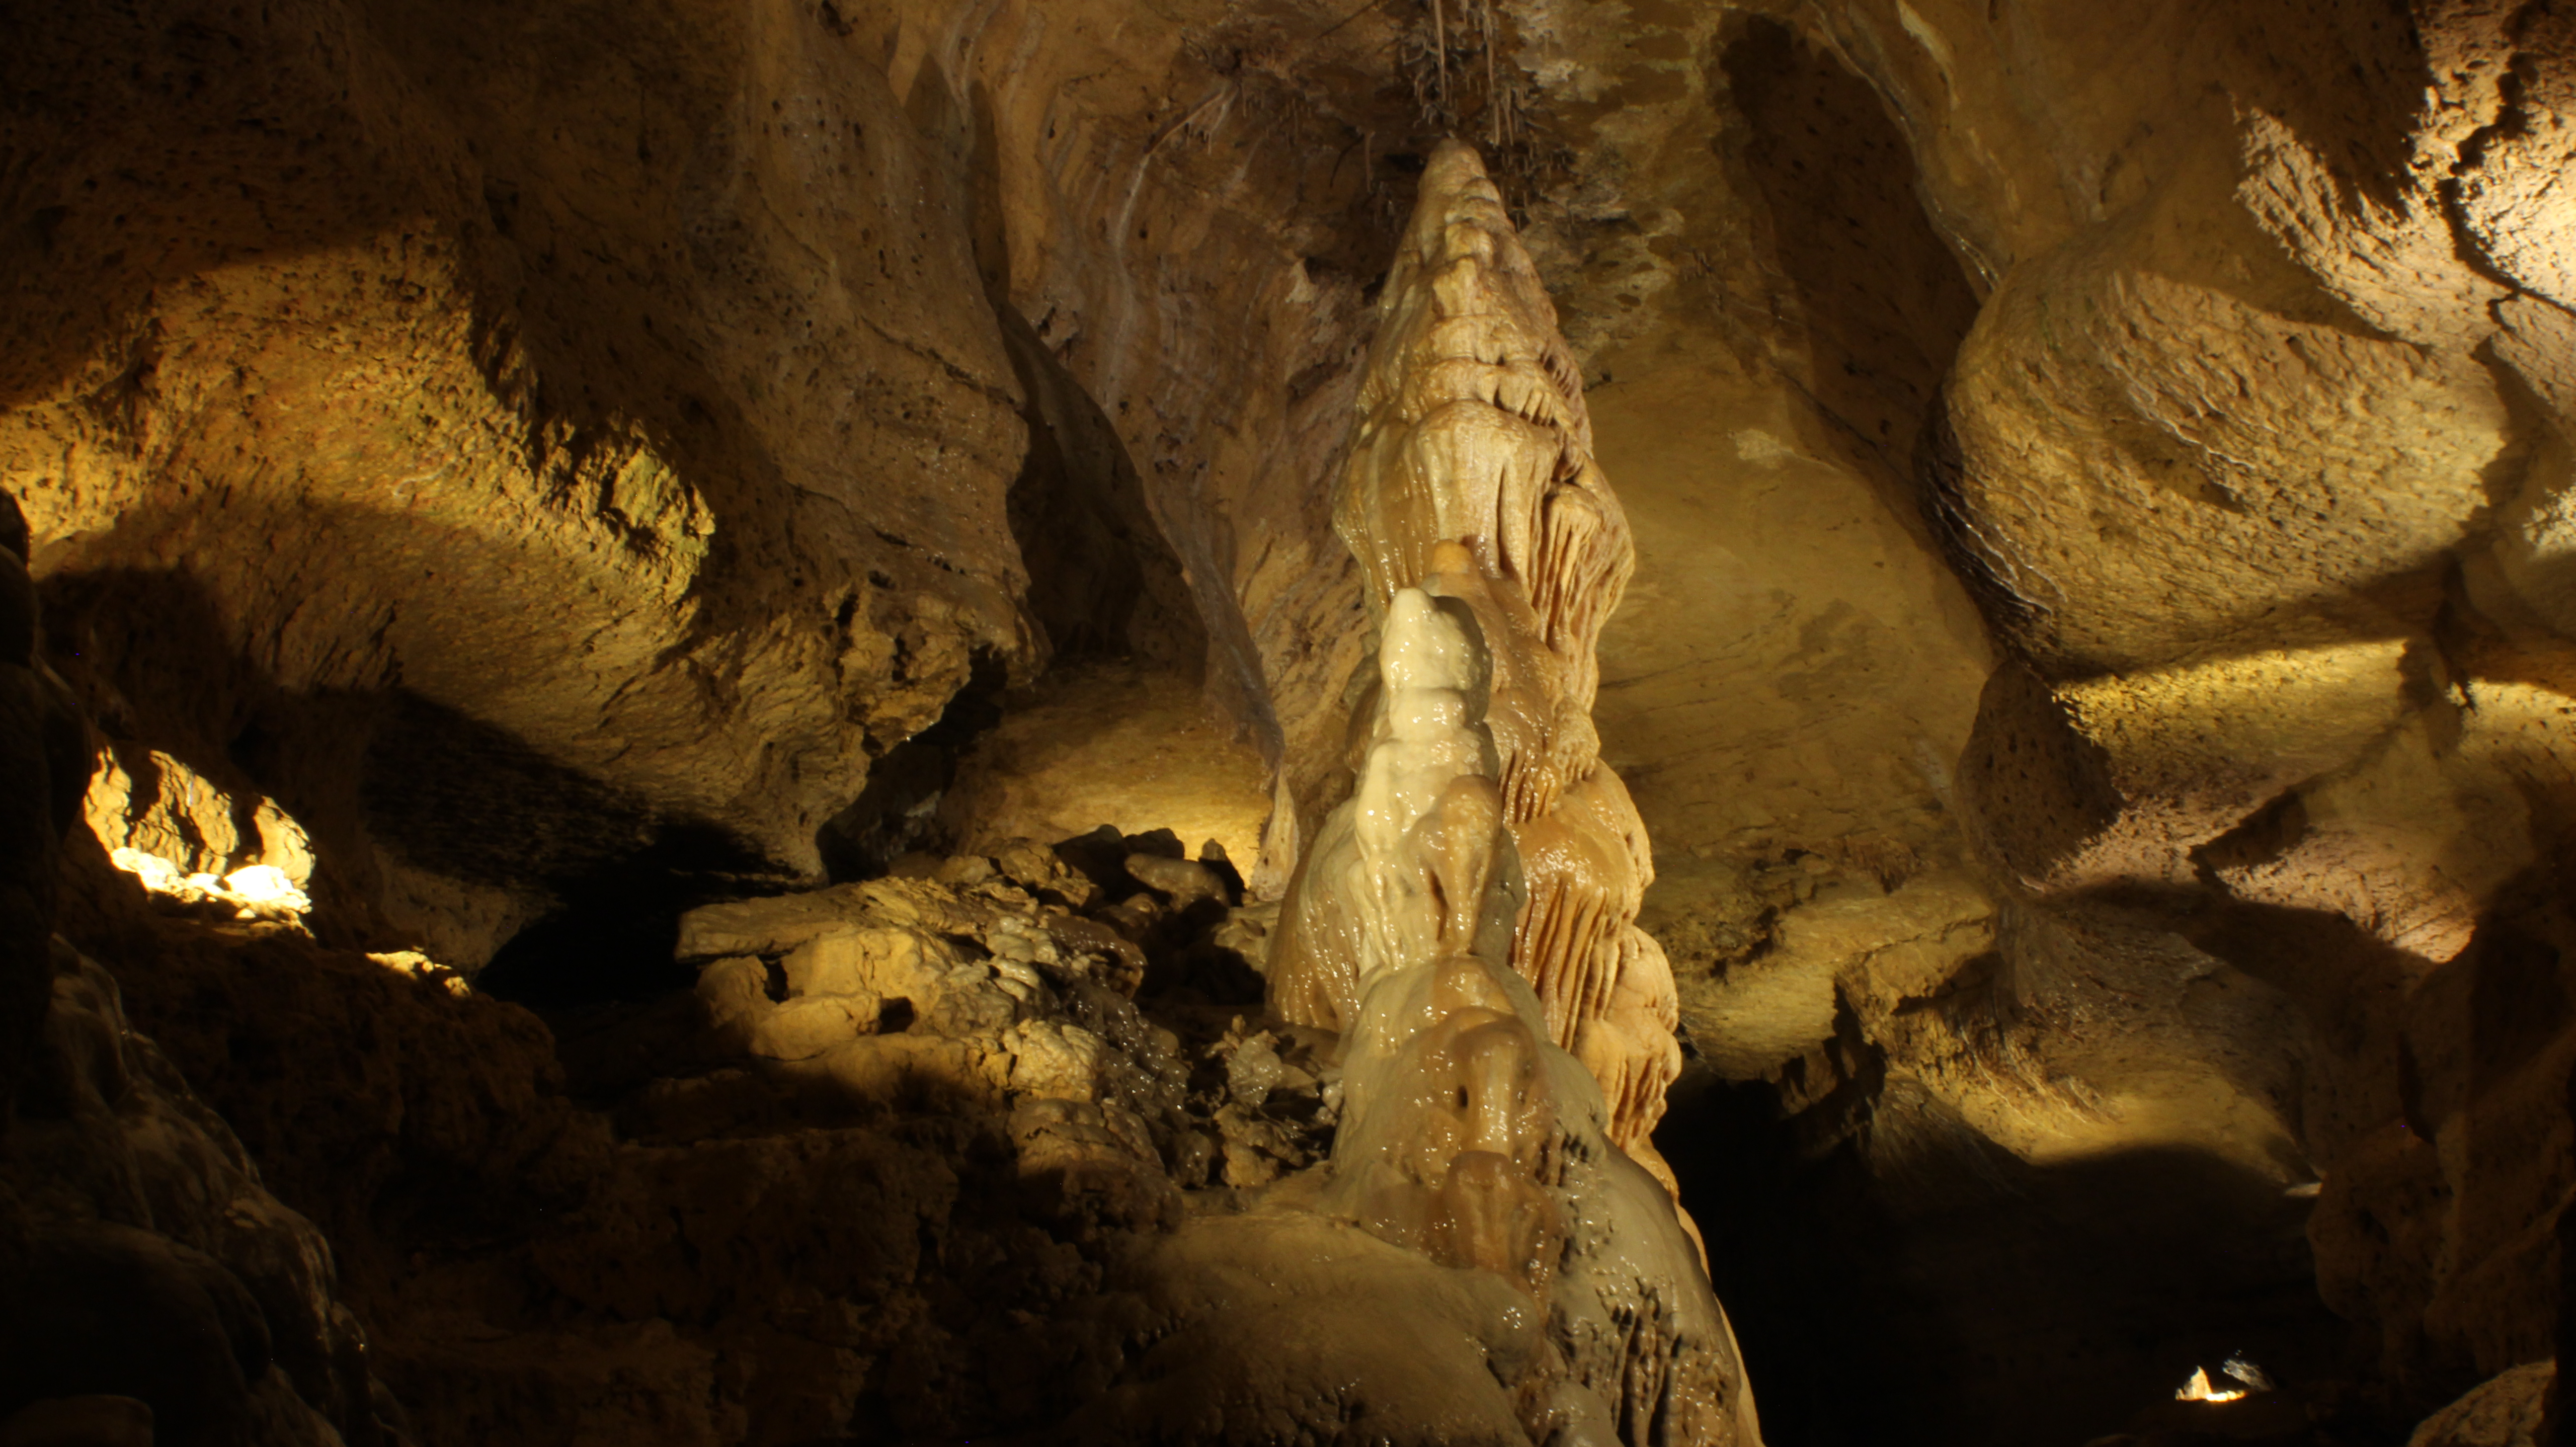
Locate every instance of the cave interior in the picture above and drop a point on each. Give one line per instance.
(1587, 723)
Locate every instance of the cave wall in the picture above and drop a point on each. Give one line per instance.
(2091, 659)
(2095, 673)
(2249, 459)
(631, 406)
(480, 361)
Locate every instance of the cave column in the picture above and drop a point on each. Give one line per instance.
(1473, 445)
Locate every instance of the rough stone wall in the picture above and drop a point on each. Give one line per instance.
(2252, 456)
(638, 405)
(567, 384)
(153, 1284)
(2129, 732)
(1191, 207)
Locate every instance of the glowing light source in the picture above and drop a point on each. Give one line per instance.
(2198, 1389)
(2246, 1377)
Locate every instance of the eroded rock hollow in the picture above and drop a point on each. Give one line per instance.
(898, 721)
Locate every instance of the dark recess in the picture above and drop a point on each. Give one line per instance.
(1874, 300)
(1900, 1278)
(1103, 580)
(898, 812)
(474, 802)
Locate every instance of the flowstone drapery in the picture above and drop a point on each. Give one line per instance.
(1472, 438)
(1466, 1133)
(1468, 915)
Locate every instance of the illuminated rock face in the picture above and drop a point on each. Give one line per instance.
(677, 457)
(1472, 462)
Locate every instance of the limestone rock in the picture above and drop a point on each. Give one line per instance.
(764, 926)
(165, 809)
(564, 543)
(803, 1028)
(741, 491)
(94, 1421)
(2504, 1411)
(1103, 742)
(148, 1262)
(2200, 524)
(522, 451)
(1051, 1061)
(1471, 472)
(896, 963)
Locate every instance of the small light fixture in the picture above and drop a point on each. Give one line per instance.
(2198, 1389)
(2244, 1377)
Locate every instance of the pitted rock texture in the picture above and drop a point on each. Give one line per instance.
(677, 455)
(2275, 591)
(2206, 794)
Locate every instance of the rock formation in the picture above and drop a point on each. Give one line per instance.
(1459, 922)
(1471, 462)
(1467, 1132)
(155, 1289)
(2085, 621)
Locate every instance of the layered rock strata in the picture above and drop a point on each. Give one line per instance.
(1472, 461)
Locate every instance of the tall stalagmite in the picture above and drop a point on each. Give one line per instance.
(1466, 1133)
(1472, 432)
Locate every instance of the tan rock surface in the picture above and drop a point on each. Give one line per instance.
(1471, 472)
(2262, 369)
(964, 1222)
(2505, 1411)
(670, 444)
(1117, 745)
